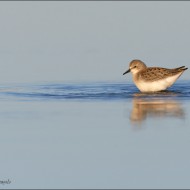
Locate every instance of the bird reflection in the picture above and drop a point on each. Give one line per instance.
(147, 105)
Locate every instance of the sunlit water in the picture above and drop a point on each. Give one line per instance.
(94, 135)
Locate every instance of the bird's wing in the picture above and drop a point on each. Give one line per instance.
(157, 73)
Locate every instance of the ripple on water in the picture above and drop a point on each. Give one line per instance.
(92, 91)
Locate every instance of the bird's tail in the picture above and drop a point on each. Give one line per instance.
(183, 68)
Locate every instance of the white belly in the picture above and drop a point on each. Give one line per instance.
(158, 85)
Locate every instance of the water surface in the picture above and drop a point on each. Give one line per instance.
(94, 135)
(103, 91)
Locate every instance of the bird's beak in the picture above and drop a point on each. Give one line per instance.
(126, 71)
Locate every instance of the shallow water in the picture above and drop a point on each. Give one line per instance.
(88, 91)
(94, 135)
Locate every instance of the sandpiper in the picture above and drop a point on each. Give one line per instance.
(153, 79)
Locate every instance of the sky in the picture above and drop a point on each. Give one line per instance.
(77, 41)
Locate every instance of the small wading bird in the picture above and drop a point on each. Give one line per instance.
(153, 79)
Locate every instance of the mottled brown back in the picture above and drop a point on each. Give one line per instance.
(156, 73)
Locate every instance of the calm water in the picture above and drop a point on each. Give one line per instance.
(94, 135)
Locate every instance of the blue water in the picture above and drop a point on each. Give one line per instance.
(94, 135)
(103, 91)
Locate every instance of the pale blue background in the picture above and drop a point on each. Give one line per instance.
(90, 41)
(48, 142)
